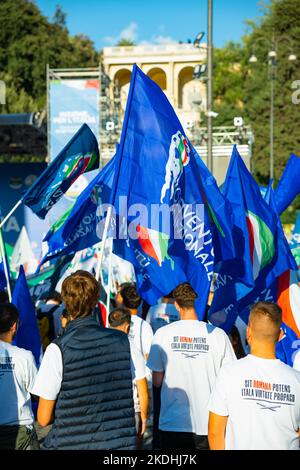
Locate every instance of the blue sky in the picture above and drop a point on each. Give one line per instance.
(154, 21)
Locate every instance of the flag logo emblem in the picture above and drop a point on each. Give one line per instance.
(179, 157)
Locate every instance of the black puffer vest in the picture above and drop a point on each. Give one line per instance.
(94, 409)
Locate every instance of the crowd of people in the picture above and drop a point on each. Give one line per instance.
(155, 375)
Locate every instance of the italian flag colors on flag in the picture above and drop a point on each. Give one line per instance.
(261, 242)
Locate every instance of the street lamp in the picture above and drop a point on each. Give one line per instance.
(272, 62)
(209, 79)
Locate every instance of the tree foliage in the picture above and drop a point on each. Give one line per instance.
(28, 42)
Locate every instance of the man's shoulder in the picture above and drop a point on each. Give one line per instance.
(19, 353)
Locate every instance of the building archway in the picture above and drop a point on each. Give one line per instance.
(188, 89)
(159, 76)
(122, 80)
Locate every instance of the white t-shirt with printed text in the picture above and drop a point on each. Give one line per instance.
(191, 353)
(261, 398)
(17, 375)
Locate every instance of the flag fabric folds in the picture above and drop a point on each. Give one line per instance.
(28, 335)
(289, 185)
(80, 227)
(266, 254)
(80, 155)
(157, 166)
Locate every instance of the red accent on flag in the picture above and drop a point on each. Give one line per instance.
(103, 312)
(251, 238)
(284, 302)
(145, 243)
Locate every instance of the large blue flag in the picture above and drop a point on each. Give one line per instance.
(80, 155)
(266, 286)
(256, 234)
(82, 225)
(289, 185)
(28, 335)
(157, 169)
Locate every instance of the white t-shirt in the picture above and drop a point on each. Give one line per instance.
(140, 334)
(161, 315)
(138, 372)
(261, 398)
(191, 354)
(48, 381)
(17, 375)
(296, 363)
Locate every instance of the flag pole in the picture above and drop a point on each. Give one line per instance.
(99, 262)
(109, 280)
(5, 219)
(5, 264)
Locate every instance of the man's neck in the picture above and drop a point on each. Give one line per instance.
(6, 337)
(188, 314)
(263, 351)
(166, 300)
(133, 311)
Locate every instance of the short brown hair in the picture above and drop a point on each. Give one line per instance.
(80, 293)
(185, 295)
(265, 319)
(119, 316)
(130, 296)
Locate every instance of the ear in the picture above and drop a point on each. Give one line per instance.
(176, 306)
(127, 328)
(14, 328)
(248, 334)
(281, 335)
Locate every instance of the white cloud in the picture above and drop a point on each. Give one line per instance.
(160, 39)
(129, 32)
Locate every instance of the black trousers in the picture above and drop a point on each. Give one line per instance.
(182, 440)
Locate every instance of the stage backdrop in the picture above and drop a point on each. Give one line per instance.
(15, 179)
(72, 102)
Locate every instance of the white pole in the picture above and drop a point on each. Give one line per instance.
(109, 281)
(4, 260)
(10, 213)
(99, 263)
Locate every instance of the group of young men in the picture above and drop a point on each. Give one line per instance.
(96, 385)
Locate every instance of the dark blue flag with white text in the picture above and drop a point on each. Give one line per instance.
(80, 155)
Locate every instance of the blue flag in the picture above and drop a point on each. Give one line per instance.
(295, 241)
(80, 155)
(287, 346)
(266, 288)
(289, 185)
(82, 225)
(256, 234)
(28, 335)
(157, 169)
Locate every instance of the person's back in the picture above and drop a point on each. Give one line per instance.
(192, 353)
(17, 375)
(140, 333)
(255, 403)
(185, 358)
(262, 403)
(85, 376)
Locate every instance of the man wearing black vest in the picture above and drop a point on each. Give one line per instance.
(84, 378)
